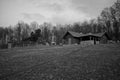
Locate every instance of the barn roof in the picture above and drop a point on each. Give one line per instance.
(99, 34)
(102, 34)
(75, 34)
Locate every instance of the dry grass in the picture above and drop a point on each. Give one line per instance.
(96, 62)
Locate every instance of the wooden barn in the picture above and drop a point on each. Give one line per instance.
(78, 38)
(102, 37)
(71, 38)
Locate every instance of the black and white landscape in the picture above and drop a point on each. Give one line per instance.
(59, 40)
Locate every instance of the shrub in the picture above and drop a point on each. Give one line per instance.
(3, 46)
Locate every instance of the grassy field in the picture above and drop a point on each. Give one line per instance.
(76, 62)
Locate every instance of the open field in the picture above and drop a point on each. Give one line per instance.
(96, 62)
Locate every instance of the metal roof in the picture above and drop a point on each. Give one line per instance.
(75, 34)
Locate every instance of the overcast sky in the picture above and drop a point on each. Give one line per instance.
(54, 11)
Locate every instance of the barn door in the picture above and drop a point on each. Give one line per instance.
(69, 41)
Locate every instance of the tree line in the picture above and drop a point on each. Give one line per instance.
(108, 20)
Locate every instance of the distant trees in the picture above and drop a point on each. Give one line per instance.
(77, 27)
(34, 25)
(111, 19)
(2, 34)
(25, 31)
(35, 35)
(46, 32)
(21, 31)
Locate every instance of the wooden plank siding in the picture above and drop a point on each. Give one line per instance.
(76, 38)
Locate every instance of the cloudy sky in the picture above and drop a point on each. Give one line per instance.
(54, 11)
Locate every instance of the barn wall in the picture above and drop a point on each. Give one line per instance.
(73, 40)
(103, 40)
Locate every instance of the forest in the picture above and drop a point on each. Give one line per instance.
(108, 21)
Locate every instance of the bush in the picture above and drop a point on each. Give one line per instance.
(3, 46)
